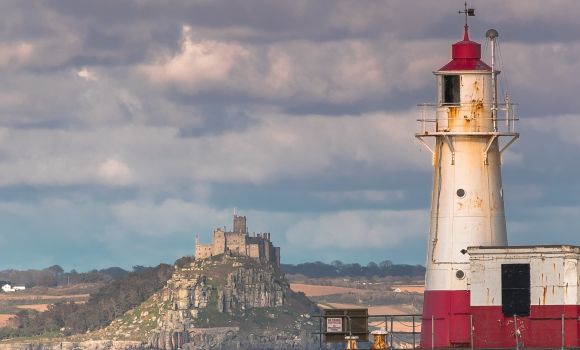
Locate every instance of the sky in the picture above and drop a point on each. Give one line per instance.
(129, 126)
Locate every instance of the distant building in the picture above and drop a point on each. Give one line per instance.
(239, 242)
(7, 288)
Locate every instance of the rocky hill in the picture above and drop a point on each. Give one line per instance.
(223, 302)
(231, 300)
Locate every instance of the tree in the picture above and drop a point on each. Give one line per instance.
(55, 269)
(184, 261)
(385, 265)
(47, 279)
(338, 264)
(372, 269)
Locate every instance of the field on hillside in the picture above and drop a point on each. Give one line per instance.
(413, 288)
(379, 296)
(40, 299)
(317, 290)
(4, 319)
(35, 307)
(403, 309)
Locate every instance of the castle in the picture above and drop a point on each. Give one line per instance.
(239, 242)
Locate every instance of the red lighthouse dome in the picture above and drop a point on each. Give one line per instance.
(465, 56)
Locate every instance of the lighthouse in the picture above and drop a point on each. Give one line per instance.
(463, 130)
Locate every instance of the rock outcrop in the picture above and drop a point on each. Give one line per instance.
(250, 288)
(231, 302)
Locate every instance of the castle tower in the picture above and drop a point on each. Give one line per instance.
(240, 224)
(467, 199)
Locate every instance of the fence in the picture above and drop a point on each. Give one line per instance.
(404, 332)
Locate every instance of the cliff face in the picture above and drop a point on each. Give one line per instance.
(251, 288)
(230, 302)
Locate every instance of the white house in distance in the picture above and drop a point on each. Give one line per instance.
(7, 288)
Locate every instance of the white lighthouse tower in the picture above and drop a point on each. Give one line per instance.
(467, 199)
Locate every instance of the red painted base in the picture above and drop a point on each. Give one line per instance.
(542, 329)
(445, 319)
(447, 314)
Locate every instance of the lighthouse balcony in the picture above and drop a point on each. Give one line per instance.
(467, 118)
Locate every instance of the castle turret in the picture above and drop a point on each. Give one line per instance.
(467, 199)
(240, 224)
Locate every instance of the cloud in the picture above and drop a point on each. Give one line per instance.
(86, 74)
(168, 218)
(531, 61)
(277, 147)
(564, 126)
(301, 70)
(551, 223)
(358, 229)
(535, 11)
(16, 54)
(197, 64)
(115, 172)
(361, 196)
(512, 158)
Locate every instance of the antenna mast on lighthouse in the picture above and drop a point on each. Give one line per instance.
(492, 35)
(467, 206)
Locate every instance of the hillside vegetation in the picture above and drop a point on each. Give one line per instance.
(107, 304)
(55, 276)
(339, 269)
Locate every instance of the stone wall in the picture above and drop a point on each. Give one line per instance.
(254, 251)
(236, 243)
(203, 251)
(266, 250)
(219, 242)
(276, 259)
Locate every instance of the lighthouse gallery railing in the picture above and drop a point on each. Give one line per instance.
(435, 118)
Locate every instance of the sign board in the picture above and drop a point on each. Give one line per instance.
(342, 322)
(334, 325)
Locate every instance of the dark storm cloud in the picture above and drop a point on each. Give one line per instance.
(331, 19)
(217, 119)
(275, 19)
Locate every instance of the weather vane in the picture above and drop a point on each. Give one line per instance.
(467, 12)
